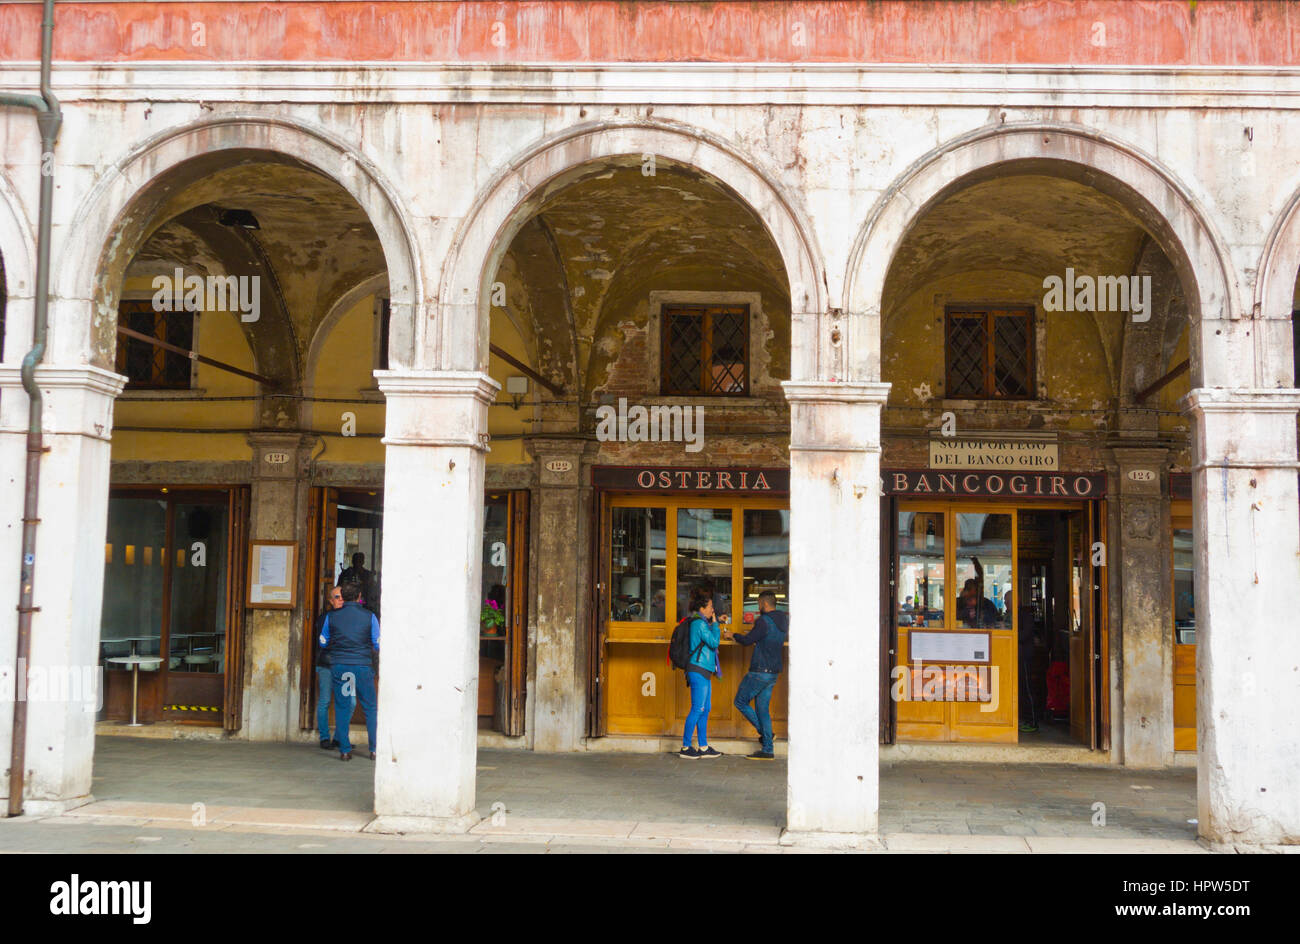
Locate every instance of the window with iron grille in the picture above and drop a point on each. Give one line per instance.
(705, 350)
(148, 367)
(989, 353)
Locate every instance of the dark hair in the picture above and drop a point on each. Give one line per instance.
(351, 591)
(767, 596)
(701, 596)
(358, 559)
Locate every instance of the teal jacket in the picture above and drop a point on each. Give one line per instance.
(705, 662)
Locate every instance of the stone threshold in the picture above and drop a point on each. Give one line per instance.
(170, 730)
(620, 833)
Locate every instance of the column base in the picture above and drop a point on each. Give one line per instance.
(423, 824)
(814, 839)
(55, 807)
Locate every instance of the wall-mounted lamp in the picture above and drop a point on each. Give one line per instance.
(517, 387)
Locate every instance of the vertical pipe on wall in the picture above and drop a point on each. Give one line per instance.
(48, 118)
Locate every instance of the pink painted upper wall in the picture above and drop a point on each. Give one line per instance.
(1087, 32)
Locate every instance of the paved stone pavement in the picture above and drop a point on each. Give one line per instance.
(291, 797)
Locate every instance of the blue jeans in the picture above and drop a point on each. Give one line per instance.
(324, 691)
(363, 679)
(701, 700)
(757, 687)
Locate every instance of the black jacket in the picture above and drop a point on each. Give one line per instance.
(768, 637)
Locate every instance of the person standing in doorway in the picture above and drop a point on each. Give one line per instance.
(324, 686)
(768, 637)
(703, 665)
(358, 574)
(351, 634)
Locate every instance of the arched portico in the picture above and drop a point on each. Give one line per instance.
(509, 199)
(115, 218)
(1236, 381)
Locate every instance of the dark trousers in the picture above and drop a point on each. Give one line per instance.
(757, 687)
(353, 683)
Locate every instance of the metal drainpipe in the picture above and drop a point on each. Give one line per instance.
(48, 118)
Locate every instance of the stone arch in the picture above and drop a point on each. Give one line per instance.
(17, 265)
(1166, 208)
(1275, 296)
(505, 204)
(112, 221)
(376, 284)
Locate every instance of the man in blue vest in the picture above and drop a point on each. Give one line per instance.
(351, 634)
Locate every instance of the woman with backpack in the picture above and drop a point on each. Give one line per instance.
(700, 669)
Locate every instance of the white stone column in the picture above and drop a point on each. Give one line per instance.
(834, 709)
(1247, 531)
(436, 441)
(68, 580)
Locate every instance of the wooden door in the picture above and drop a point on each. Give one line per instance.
(322, 521)
(1083, 704)
(599, 609)
(236, 585)
(1183, 624)
(517, 627)
(888, 620)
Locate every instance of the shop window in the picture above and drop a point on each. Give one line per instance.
(705, 350)
(920, 569)
(146, 366)
(1184, 588)
(989, 353)
(984, 570)
(767, 558)
(638, 565)
(166, 556)
(704, 558)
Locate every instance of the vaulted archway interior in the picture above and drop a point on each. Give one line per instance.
(593, 256)
(309, 245)
(991, 244)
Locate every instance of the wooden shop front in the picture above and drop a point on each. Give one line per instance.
(661, 532)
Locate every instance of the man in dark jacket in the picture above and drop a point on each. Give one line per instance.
(324, 684)
(351, 635)
(768, 637)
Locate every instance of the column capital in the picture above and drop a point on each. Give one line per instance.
(835, 417)
(437, 383)
(78, 400)
(1242, 400)
(824, 391)
(437, 407)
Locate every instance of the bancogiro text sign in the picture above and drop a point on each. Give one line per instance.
(1017, 485)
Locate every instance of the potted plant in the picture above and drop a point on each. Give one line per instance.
(492, 619)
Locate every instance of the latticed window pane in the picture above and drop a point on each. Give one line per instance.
(729, 344)
(1011, 355)
(146, 365)
(684, 351)
(967, 354)
(706, 350)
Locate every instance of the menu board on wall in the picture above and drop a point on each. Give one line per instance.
(272, 574)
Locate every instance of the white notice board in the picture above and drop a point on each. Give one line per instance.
(948, 647)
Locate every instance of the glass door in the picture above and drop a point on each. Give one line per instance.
(955, 677)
